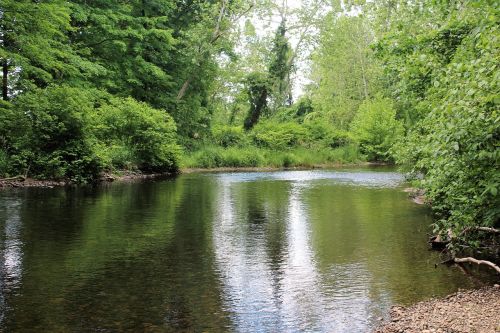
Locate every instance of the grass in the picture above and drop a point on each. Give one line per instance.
(235, 157)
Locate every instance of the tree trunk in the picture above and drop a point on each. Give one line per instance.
(184, 87)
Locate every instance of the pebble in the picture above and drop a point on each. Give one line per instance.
(464, 311)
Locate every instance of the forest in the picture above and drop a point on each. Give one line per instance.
(160, 85)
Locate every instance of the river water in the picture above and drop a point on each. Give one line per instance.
(287, 251)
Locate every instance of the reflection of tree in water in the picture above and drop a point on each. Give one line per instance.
(270, 274)
(11, 252)
(128, 257)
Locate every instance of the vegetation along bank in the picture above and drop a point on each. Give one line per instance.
(90, 88)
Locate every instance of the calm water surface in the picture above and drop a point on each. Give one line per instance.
(290, 251)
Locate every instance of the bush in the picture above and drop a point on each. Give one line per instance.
(216, 157)
(4, 163)
(279, 136)
(73, 134)
(52, 142)
(131, 134)
(376, 129)
(456, 145)
(227, 136)
(322, 134)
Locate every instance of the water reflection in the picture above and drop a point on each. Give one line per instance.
(297, 251)
(287, 292)
(11, 250)
(358, 178)
(12, 245)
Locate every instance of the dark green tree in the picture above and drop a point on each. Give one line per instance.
(258, 86)
(280, 68)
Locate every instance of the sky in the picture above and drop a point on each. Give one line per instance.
(301, 75)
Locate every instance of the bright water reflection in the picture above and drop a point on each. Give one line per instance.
(296, 251)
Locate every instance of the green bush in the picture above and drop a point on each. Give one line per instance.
(216, 157)
(323, 134)
(456, 145)
(74, 134)
(52, 141)
(279, 136)
(376, 129)
(227, 136)
(131, 134)
(4, 163)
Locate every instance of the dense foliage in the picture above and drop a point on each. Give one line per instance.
(446, 78)
(68, 133)
(96, 86)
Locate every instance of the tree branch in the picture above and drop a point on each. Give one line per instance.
(486, 229)
(475, 261)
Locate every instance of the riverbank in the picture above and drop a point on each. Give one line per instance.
(463, 311)
(124, 176)
(212, 157)
(274, 168)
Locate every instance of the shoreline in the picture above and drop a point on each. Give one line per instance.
(128, 176)
(474, 310)
(21, 182)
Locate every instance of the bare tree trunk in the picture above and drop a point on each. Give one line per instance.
(5, 80)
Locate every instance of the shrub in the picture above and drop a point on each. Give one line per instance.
(279, 135)
(4, 163)
(455, 145)
(129, 134)
(376, 129)
(51, 142)
(215, 157)
(227, 136)
(322, 134)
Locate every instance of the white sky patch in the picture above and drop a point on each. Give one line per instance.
(267, 26)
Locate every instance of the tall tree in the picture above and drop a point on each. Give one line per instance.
(280, 68)
(345, 71)
(35, 47)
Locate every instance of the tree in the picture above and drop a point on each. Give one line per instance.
(345, 72)
(258, 87)
(35, 48)
(280, 68)
(442, 71)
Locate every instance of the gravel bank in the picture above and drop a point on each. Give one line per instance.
(464, 311)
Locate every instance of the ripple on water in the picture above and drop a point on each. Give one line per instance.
(365, 178)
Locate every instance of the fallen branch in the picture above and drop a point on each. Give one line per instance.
(486, 229)
(475, 261)
(20, 177)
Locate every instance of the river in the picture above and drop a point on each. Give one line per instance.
(284, 251)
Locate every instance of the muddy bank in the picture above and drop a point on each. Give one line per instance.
(125, 176)
(464, 311)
